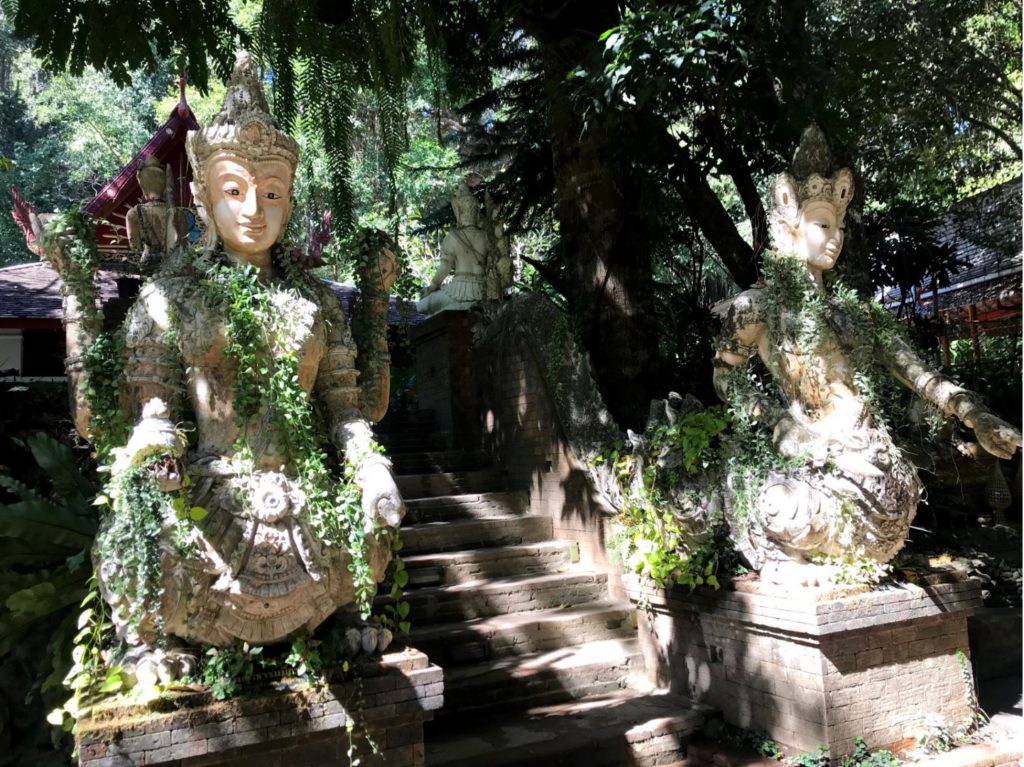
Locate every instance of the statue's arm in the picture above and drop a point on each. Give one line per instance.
(445, 265)
(994, 434)
(739, 340)
(338, 394)
(153, 385)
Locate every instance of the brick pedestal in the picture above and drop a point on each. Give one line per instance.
(811, 667)
(444, 379)
(388, 705)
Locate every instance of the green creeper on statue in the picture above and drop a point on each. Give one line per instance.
(259, 531)
(845, 490)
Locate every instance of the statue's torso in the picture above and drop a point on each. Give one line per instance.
(210, 378)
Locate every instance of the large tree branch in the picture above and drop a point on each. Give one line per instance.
(736, 165)
(690, 182)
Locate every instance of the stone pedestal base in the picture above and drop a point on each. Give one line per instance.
(808, 666)
(387, 704)
(444, 378)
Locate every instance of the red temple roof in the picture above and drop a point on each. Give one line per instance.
(111, 204)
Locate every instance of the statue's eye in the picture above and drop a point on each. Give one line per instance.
(235, 192)
(823, 225)
(273, 196)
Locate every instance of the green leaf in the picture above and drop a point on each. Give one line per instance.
(197, 513)
(401, 579)
(59, 463)
(402, 608)
(43, 522)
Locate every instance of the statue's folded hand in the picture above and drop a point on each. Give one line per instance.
(381, 498)
(994, 434)
(154, 438)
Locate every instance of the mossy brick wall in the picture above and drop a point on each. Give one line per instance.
(811, 667)
(519, 427)
(389, 704)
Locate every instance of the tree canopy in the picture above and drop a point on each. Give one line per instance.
(645, 132)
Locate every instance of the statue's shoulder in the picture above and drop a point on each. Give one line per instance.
(743, 308)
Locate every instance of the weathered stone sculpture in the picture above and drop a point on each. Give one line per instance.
(155, 226)
(839, 488)
(476, 256)
(260, 532)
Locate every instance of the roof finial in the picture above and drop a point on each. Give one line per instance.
(183, 109)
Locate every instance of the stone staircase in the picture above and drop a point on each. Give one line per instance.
(540, 665)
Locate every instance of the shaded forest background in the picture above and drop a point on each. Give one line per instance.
(630, 143)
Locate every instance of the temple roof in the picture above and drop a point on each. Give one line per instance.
(111, 204)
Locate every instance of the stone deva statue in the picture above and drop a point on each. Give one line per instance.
(476, 256)
(266, 533)
(837, 486)
(155, 226)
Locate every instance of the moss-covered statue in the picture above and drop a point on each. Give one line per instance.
(839, 487)
(250, 528)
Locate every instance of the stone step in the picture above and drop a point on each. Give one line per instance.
(396, 421)
(484, 598)
(466, 642)
(473, 564)
(440, 461)
(446, 508)
(557, 676)
(475, 533)
(414, 486)
(622, 728)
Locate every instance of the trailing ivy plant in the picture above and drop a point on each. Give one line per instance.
(266, 362)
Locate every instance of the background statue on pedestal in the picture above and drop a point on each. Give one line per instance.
(155, 227)
(476, 256)
(244, 527)
(838, 487)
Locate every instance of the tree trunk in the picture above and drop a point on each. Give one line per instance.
(606, 239)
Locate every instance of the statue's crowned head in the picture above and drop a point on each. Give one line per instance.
(243, 166)
(808, 216)
(465, 205)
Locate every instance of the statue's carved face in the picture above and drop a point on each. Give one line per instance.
(818, 238)
(250, 203)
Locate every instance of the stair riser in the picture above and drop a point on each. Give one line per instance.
(395, 444)
(503, 692)
(491, 532)
(414, 486)
(465, 605)
(472, 507)
(541, 561)
(439, 461)
(464, 647)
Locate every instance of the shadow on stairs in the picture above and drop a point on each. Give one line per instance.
(541, 667)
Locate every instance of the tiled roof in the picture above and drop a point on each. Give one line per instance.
(32, 291)
(985, 231)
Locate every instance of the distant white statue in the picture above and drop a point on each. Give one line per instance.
(476, 256)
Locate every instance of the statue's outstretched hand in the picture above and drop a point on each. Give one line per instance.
(381, 498)
(994, 434)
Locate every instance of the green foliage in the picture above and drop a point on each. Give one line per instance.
(758, 740)
(654, 541)
(130, 541)
(862, 756)
(227, 669)
(819, 758)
